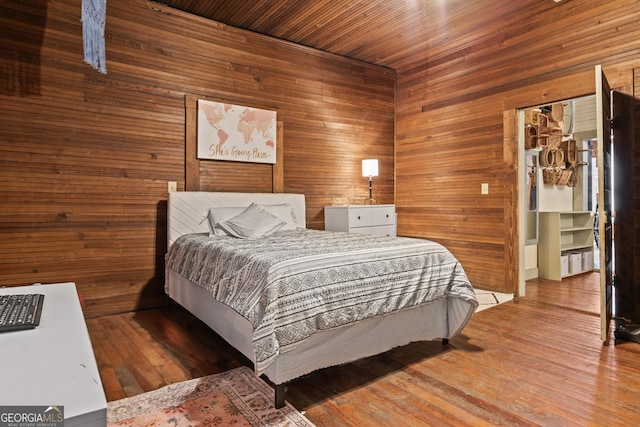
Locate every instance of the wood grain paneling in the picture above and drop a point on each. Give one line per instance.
(85, 157)
(451, 136)
(392, 33)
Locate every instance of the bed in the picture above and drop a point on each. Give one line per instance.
(362, 297)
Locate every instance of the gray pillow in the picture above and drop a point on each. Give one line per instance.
(254, 222)
(217, 215)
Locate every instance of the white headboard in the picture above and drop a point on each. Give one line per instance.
(186, 209)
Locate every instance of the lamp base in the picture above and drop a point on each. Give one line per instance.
(371, 200)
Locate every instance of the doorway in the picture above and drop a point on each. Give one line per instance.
(558, 189)
(571, 229)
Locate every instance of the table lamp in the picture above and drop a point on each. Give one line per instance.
(370, 169)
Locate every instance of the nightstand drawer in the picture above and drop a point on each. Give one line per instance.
(364, 219)
(382, 230)
(368, 216)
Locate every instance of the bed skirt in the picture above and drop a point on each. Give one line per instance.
(440, 319)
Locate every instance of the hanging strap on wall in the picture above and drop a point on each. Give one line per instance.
(94, 15)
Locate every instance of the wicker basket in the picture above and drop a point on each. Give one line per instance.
(551, 158)
(543, 124)
(531, 117)
(557, 112)
(554, 141)
(572, 152)
(550, 175)
(565, 176)
(573, 180)
(531, 140)
(543, 158)
(542, 140)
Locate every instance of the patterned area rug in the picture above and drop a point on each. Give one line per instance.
(234, 398)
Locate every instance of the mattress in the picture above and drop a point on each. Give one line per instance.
(294, 284)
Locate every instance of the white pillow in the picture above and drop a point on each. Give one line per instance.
(283, 211)
(254, 222)
(216, 215)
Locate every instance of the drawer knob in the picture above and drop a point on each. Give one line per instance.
(358, 216)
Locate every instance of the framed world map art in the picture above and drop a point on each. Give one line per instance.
(237, 133)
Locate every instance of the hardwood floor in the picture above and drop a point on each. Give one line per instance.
(537, 360)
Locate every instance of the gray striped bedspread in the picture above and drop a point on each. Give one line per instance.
(295, 282)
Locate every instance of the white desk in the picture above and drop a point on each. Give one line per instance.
(53, 364)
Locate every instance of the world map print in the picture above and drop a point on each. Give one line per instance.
(234, 132)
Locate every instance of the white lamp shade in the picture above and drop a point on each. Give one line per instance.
(370, 167)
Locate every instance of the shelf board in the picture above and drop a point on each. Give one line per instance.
(571, 229)
(574, 213)
(574, 246)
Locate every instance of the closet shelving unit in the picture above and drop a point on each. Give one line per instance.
(566, 244)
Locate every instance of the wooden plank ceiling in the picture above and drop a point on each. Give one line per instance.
(393, 33)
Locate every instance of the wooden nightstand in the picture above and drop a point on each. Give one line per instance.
(365, 219)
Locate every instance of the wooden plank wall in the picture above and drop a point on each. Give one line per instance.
(85, 158)
(451, 112)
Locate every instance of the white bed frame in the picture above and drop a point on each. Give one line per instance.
(324, 349)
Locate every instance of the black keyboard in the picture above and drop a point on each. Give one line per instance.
(20, 311)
